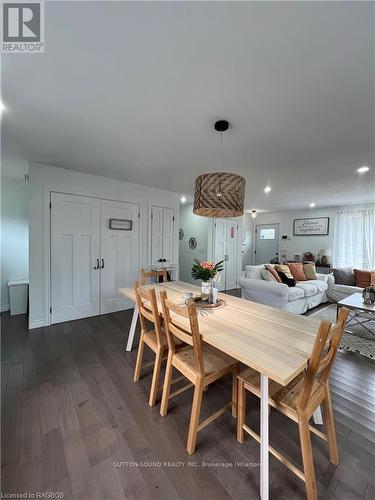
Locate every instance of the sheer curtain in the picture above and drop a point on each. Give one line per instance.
(354, 239)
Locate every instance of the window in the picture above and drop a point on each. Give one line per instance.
(267, 234)
(354, 239)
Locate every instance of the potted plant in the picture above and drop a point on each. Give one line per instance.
(208, 272)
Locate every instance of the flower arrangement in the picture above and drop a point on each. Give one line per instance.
(206, 270)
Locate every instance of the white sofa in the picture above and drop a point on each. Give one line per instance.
(335, 292)
(298, 299)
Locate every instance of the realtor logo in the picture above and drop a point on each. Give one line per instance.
(23, 27)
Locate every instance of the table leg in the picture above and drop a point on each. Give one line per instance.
(132, 329)
(337, 312)
(264, 437)
(318, 418)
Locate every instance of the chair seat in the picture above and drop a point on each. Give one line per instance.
(150, 339)
(284, 398)
(214, 361)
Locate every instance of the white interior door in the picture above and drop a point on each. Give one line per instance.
(157, 217)
(168, 235)
(231, 255)
(75, 248)
(220, 245)
(266, 243)
(119, 254)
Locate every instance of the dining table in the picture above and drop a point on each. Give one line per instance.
(276, 343)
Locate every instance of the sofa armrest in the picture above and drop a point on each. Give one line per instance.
(322, 277)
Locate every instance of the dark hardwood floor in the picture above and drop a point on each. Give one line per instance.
(75, 422)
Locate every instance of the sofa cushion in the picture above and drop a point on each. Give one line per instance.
(310, 271)
(273, 271)
(254, 272)
(308, 288)
(296, 268)
(319, 284)
(295, 293)
(344, 276)
(283, 268)
(362, 278)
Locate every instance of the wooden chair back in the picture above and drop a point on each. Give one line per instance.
(324, 351)
(191, 337)
(148, 309)
(148, 275)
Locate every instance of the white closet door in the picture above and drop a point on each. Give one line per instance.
(168, 234)
(75, 284)
(157, 217)
(220, 243)
(119, 255)
(231, 252)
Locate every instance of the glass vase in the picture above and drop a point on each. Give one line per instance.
(206, 290)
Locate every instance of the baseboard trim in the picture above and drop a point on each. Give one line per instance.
(37, 324)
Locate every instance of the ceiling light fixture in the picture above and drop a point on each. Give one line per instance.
(267, 189)
(312, 205)
(219, 194)
(363, 169)
(183, 199)
(253, 213)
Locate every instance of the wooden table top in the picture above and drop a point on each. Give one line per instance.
(273, 342)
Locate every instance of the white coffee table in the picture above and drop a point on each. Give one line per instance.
(356, 305)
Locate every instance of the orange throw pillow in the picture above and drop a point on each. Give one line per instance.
(273, 271)
(296, 268)
(362, 278)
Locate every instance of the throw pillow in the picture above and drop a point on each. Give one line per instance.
(296, 268)
(310, 271)
(362, 278)
(344, 276)
(273, 271)
(267, 276)
(284, 269)
(288, 281)
(373, 278)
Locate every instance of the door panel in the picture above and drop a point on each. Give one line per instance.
(231, 252)
(156, 234)
(220, 245)
(266, 243)
(168, 234)
(75, 284)
(120, 254)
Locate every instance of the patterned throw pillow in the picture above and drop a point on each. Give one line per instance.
(282, 268)
(267, 276)
(362, 278)
(296, 268)
(270, 268)
(310, 272)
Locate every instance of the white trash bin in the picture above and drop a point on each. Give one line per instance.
(18, 295)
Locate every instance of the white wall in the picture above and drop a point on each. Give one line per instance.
(43, 180)
(192, 225)
(14, 234)
(301, 244)
(247, 240)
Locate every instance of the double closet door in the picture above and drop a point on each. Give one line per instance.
(89, 260)
(162, 235)
(226, 248)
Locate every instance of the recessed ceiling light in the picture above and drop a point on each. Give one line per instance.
(267, 189)
(183, 199)
(312, 205)
(363, 169)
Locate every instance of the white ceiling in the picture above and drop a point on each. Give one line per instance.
(131, 90)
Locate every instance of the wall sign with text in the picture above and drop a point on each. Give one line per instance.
(318, 226)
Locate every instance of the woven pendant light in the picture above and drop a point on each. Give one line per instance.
(219, 194)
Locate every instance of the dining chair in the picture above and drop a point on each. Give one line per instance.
(147, 275)
(155, 338)
(300, 399)
(200, 364)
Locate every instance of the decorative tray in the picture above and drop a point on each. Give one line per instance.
(206, 305)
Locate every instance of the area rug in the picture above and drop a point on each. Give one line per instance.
(355, 337)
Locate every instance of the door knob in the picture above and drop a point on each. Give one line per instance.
(102, 264)
(97, 264)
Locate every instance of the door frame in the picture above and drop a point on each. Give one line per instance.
(255, 240)
(47, 242)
